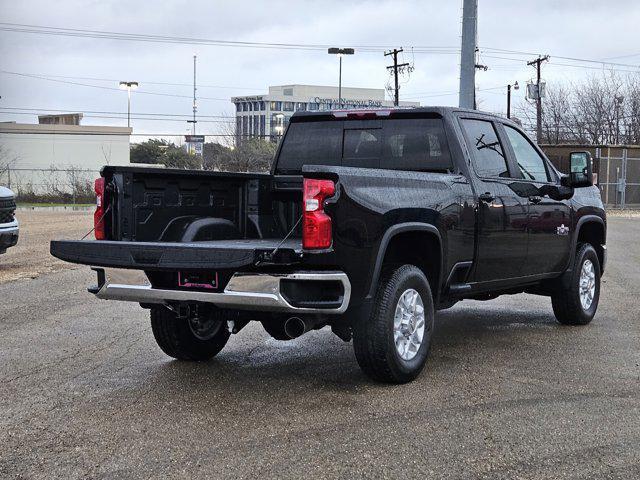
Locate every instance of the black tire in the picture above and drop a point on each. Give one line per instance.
(565, 299)
(176, 338)
(373, 338)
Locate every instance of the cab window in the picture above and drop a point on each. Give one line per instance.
(487, 152)
(529, 161)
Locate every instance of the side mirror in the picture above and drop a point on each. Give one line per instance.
(580, 171)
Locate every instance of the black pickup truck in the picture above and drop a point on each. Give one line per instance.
(368, 222)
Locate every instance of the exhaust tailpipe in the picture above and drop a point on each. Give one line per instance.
(295, 326)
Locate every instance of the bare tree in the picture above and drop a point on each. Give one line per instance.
(234, 154)
(602, 110)
(106, 153)
(557, 104)
(631, 110)
(7, 160)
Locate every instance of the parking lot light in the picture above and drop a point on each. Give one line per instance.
(340, 52)
(128, 86)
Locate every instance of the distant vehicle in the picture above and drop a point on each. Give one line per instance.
(9, 229)
(368, 222)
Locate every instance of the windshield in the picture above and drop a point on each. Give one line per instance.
(396, 144)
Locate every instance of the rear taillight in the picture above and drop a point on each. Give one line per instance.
(98, 220)
(316, 225)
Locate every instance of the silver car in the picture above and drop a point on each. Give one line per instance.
(8, 223)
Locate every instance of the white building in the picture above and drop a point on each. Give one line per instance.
(266, 116)
(41, 155)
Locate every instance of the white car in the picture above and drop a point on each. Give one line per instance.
(8, 223)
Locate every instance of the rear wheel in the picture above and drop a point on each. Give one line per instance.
(392, 345)
(576, 300)
(198, 338)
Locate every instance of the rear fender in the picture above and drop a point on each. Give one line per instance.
(582, 222)
(384, 243)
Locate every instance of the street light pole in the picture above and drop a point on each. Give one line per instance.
(340, 82)
(340, 52)
(129, 107)
(128, 86)
(515, 87)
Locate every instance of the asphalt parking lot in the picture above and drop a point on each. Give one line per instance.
(507, 393)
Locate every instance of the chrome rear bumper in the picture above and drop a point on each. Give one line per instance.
(243, 292)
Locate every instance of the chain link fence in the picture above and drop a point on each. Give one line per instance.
(616, 168)
(68, 185)
(619, 177)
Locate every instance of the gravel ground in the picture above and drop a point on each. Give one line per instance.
(507, 393)
(30, 257)
(623, 213)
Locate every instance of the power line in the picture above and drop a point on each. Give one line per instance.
(134, 118)
(111, 35)
(144, 134)
(143, 92)
(76, 110)
(583, 60)
(622, 56)
(149, 82)
(556, 64)
(415, 95)
(125, 36)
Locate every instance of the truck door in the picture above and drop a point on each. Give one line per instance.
(502, 214)
(549, 220)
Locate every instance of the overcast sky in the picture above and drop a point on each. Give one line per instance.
(580, 29)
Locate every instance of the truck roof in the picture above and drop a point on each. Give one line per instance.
(438, 111)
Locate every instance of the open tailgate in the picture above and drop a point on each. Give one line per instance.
(217, 254)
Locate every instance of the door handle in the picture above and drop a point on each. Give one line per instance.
(486, 197)
(535, 199)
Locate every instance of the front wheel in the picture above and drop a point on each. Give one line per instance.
(189, 339)
(392, 345)
(576, 300)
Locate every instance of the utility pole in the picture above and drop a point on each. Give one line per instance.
(395, 67)
(537, 62)
(195, 108)
(468, 54)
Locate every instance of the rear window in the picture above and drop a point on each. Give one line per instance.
(311, 143)
(362, 147)
(395, 144)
